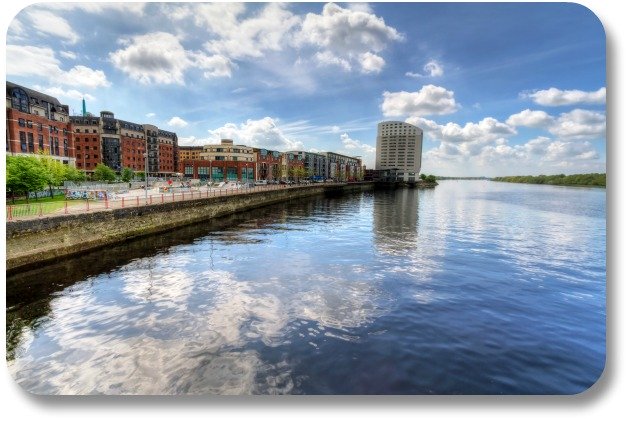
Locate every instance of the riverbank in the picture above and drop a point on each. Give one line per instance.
(31, 243)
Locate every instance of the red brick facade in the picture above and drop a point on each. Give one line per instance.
(30, 133)
(166, 158)
(88, 153)
(133, 153)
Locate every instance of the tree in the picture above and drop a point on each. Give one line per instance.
(55, 171)
(423, 177)
(25, 174)
(104, 173)
(141, 175)
(430, 178)
(127, 174)
(72, 174)
(276, 172)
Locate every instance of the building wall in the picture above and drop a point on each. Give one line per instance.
(133, 153)
(33, 134)
(188, 152)
(218, 171)
(268, 165)
(343, 167)
(399, 147)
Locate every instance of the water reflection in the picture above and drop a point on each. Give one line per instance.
(395, 221)
(410, 291)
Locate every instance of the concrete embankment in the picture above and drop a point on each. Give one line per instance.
(31, 243)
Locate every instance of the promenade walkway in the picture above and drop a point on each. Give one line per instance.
(136, 198)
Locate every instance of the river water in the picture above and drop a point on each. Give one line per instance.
(474, 287)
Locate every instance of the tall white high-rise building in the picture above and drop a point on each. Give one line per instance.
(399, 148)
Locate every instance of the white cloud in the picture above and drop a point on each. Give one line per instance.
(136, 9)
(269, 30)
(15, 31)
(431, 69)
(497, 157)
(580, 124)
(48, 23)
(556, 97)
(371, 63)
(486, 130)
(430, 100)
(26, 60)
(84, 76)
(57, 91)
(264, 133)
(349, 35)
(529, 118)
(213, 66)
(325, 58)
(177, 122)
(352, 144)
(68, 54)
(160, 58)
(353, 147)
(150, 115)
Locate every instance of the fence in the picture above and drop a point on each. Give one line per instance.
(38, 210)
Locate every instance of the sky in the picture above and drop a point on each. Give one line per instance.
(498, 88)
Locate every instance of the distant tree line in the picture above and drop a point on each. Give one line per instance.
(428, 178)
(593, 179)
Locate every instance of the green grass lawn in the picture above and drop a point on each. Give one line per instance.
(48, 205)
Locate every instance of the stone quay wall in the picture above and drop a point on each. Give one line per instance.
(31, 243)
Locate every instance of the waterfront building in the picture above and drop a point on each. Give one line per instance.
(132, 145)
(268, 164)
(86, 130)
(398, 150)
(229, 162)
(37, 124)
(315, 164)
(188, 153)
(123, 144)
(342, 167)
(290, 164)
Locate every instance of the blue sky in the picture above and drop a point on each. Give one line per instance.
(499, 89)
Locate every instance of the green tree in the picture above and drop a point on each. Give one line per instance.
(73, 174)
(276, 172)
(141, 175)
(25, 174)
(127, 174)
(423, 177)
(55, 172)
(430, 178)
(104, 173)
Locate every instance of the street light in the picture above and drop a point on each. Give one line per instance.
(146, 175)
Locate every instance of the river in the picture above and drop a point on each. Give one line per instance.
(474, 287)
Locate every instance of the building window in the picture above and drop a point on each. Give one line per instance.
(40, 138)
(23, 141)
(21, 122)
(65, 147)
(31, 143)
(19, 100)
(29, 124)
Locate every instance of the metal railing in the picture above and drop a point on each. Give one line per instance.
(69, 206)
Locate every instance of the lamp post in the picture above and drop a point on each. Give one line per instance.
(146, 175)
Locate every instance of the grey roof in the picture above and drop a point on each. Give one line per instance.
(33, 94)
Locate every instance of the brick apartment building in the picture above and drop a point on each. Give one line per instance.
(37, 123)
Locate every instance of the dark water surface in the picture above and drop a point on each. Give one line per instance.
(474, 287)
